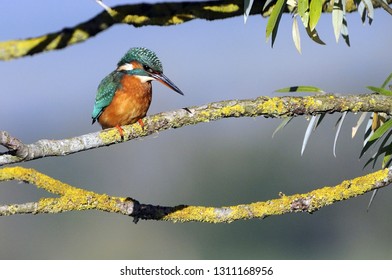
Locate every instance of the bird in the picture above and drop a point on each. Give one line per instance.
(124, 96)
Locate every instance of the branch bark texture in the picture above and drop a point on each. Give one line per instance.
(138, 15)
(275, 107)
(75, 199)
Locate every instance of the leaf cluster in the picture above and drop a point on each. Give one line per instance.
(309, 13)
(379, 125)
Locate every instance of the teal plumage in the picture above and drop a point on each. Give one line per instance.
(124, 95)
(143, 56)
(106, 90)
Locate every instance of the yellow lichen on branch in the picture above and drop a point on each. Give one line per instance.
(76, 199)
(308, 202)
(271, 107)
(71, 198)
(159, 14)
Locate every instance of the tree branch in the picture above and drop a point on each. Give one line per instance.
(137, 15)
(385, 6)
(75, 199)
(70, 199)
(275, 107)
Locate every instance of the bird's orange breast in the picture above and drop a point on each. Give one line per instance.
(130, 103)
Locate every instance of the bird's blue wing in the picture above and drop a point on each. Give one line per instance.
(105, 93)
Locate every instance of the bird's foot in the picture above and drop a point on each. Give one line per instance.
(121, 131)
(140, 121)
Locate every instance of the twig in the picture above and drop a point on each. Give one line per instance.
(385, 6)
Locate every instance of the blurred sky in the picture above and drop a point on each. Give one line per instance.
(233, 161)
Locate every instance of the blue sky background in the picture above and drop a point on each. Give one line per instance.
(234, 161)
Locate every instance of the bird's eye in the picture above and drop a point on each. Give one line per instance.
(148, 69)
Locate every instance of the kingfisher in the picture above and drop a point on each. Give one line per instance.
(124, 96)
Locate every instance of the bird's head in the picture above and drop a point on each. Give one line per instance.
(145, 65)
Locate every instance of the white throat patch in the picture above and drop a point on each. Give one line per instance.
(144, 79)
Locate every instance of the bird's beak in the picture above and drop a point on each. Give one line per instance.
(165, 80)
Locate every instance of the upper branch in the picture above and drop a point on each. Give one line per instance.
(262, 106)
(162, 14)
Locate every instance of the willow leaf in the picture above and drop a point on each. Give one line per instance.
(387, 157)
(300, 89)
(362, 11)
(338, 132)
(314, 13)
(387, 80)
(282, 125)
(372, 198)
(309, 130)
(337, 18)
(314, 35)
(296, 35)
(266, 4)
(247, 7)
(273, 21)
(359, 122)
(381, 130)
(381, 91)
(370, 10)
(344, 30)
(303, 11)
(319, 120)
(368, 133)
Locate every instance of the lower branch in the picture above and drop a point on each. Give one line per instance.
(70, 198)
(275, 107)
(75, 199)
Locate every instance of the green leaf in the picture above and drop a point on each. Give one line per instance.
(368, 133)
(387, 81)
(360, 121)
(371, 199)
(337, 18)
(314, 13)
(303, 11)
(362, 11)
(266, 4)
(273, 21)
(386, 150)
(282, 125)
(314, 36)
(381, 91)
(387, 158)
(340, 123)
(300, 89)
(247, 7)
(321, 117)
(296, 36)
(370, 160)
(368, 128)
(309, 130)
(381, 150)
(370, 10)
(344, 31)
(381, 130)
